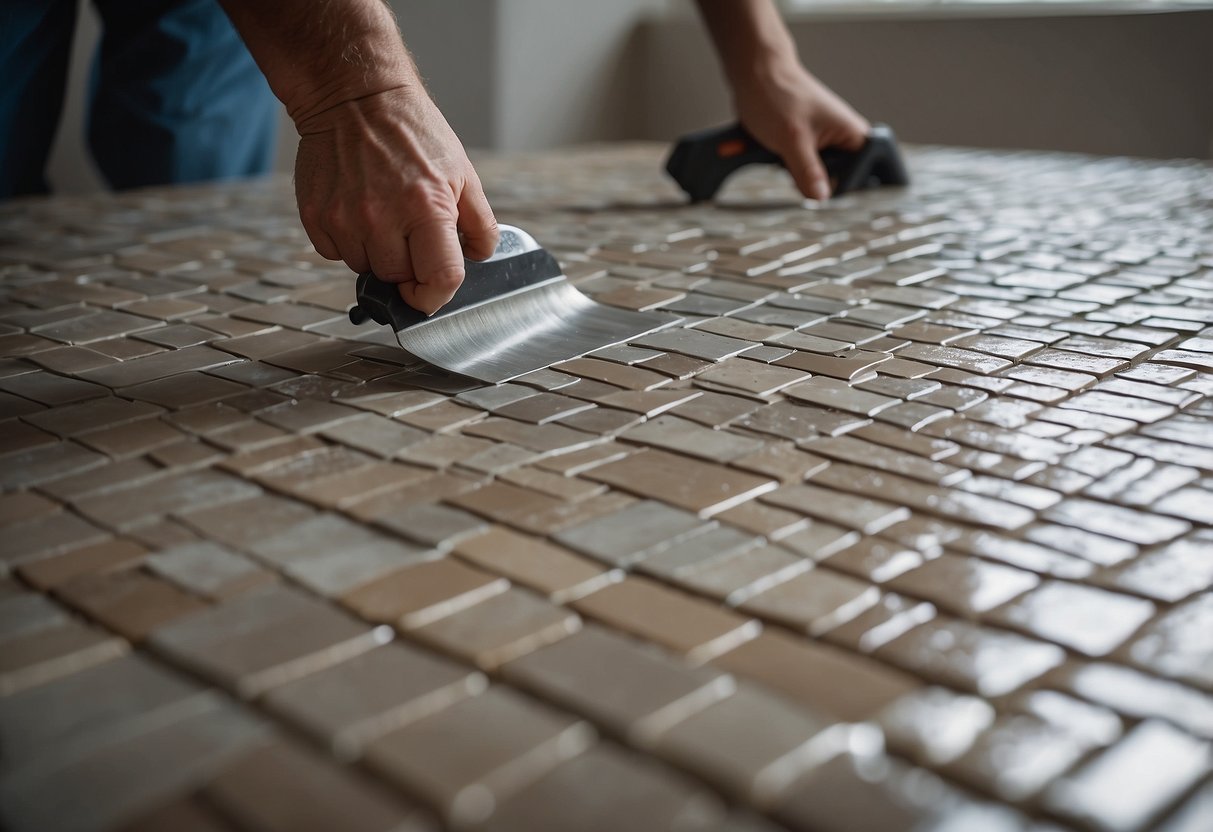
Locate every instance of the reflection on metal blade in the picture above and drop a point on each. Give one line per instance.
(524, 331)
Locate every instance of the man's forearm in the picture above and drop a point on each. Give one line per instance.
(319, 53)
(749, 35)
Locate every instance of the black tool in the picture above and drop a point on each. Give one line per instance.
(700, 162)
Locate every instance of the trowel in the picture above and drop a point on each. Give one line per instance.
(701, 162)
(514, 313)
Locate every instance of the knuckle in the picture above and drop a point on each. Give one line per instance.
(450, 276)
(424, 199)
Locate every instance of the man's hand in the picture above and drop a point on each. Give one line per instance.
(384, 184)
(795, 115)
(382, 181)
(777, 100)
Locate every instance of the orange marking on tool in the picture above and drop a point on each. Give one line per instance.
(730, 148)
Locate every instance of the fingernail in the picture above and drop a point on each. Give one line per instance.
(821, 191)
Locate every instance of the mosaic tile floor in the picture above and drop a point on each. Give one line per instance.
(905, 526)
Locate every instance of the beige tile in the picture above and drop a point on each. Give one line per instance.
(634, 689)
(258, 640)
(133, 604)
(50, 572)
(498, 629)
(814, 601)
(419, 594)
(53, 652)
(752, 744)
(118, 781)
(615, 789)
(350, 704)
(868, 516)
(697, 486)
(964, 586)
(984, 660)
(532, 562)
(281, 786)
(825, 679)
(465, 758)
(697, 629)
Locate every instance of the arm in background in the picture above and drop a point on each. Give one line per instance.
(776, 99)
(382, 181)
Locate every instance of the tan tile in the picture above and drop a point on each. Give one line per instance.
(246, 523)
(467, 757)
(187, 814)
(132, 439)
(740, 575)
(813, 601)
(419, 594)
(118, 781)
(131, 603)
(686, 437)
(858, 790)
(752, 744)
(282, 786)
(501, 501)
(46, 573)
(53, 652)
(697, 486)
(262, 639)
(827, 680)
(781, 461)
(532, 562)
(619, 375)
(616, 789)
(499, 628)
(682, 623)
(984, 660)
(209, 570)
(964, 586)
(188, 490)
(24, 505)
(564, 487)
(633, 688)
(869, 516)
(442, 416)
(24, 613)
(60, 718)
(891, 617)
(353, 703)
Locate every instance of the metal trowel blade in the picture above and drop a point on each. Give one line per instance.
(514, 313)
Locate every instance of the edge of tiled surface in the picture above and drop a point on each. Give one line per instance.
(907, 524)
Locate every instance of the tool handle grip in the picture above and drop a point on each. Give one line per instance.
(702, 161)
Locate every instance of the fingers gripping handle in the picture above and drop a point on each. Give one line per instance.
(702, 161)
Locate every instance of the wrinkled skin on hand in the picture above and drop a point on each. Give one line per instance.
(384, 184)
(795, 115)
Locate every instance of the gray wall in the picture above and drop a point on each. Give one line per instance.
(1100, 82)
(531, 74)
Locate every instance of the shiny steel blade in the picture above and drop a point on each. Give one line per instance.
(526, 330)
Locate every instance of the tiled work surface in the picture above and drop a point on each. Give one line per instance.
(906, 526)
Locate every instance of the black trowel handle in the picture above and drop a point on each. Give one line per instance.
(701, 162)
